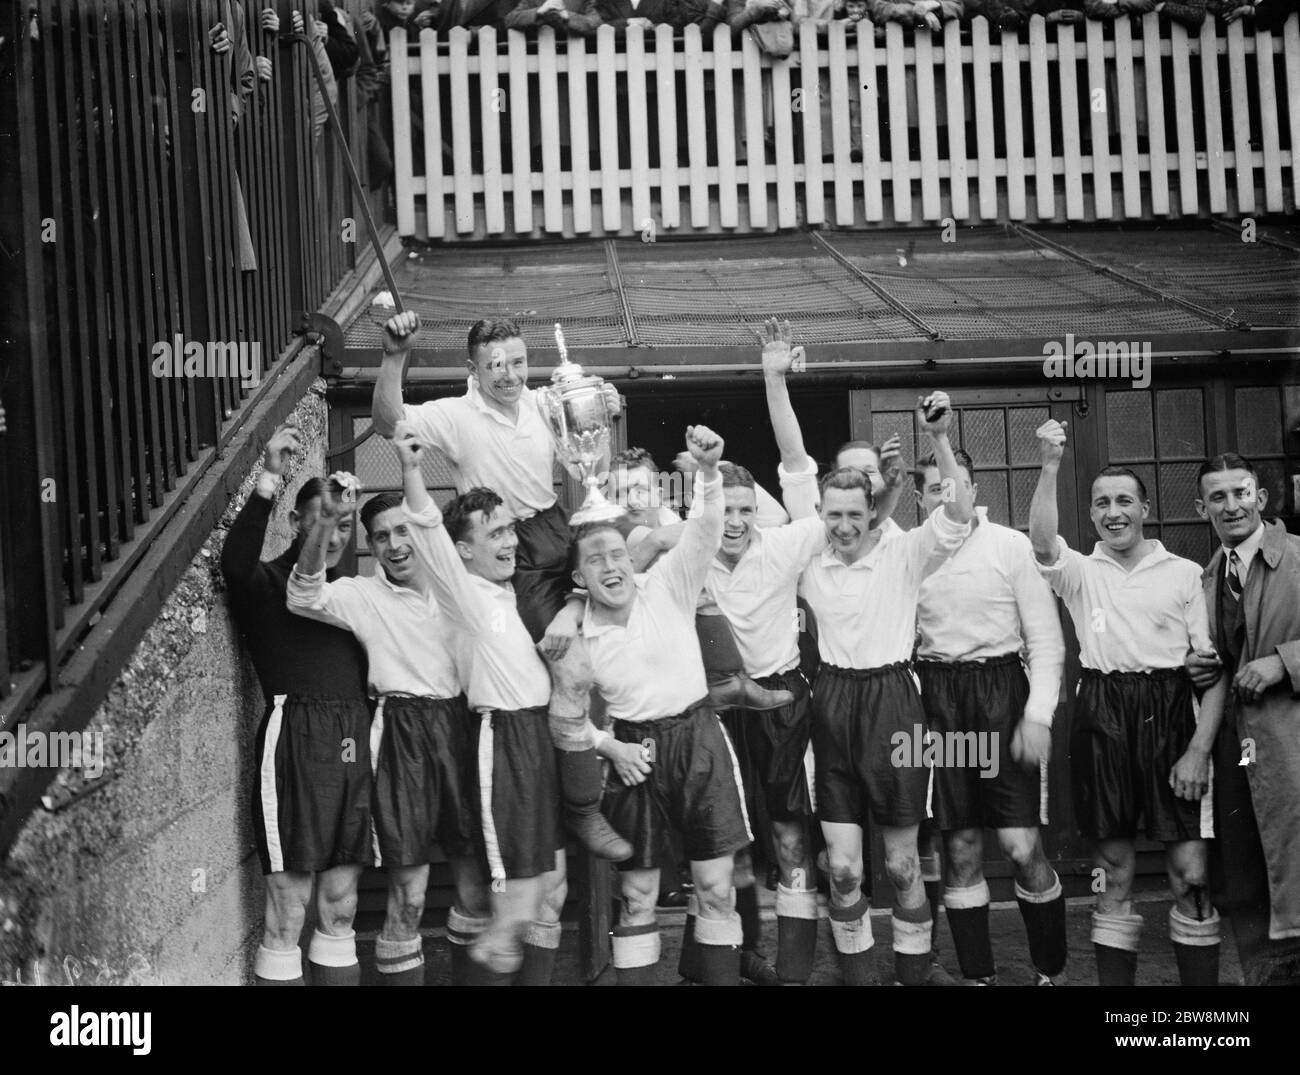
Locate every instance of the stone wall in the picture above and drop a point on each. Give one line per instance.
(149, 873)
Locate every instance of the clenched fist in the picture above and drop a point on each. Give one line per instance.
(936, 414)
(400, 331)
(1051, 440)
(705, 447)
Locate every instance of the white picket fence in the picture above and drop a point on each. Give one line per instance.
(1183, 110)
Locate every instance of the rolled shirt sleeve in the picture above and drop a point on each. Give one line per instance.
(799, 489)
(337, 603)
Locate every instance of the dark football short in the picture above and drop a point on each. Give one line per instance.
(421, 802)
(856, 715)
(1130, 729)
(694, 788)
(541, 579)
(982, 702)
(517, 791)
(311, 802)
(771, 747)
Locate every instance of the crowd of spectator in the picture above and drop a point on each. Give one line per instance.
(585, 17)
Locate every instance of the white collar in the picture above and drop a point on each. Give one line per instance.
(592, 628)
(382, 576)
(474, 395)
(1157, 554)
(1247, 549)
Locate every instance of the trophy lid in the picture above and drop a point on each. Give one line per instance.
(567, 372)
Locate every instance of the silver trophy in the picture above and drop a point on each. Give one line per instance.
(577, 408)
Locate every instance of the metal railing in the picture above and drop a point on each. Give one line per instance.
(167, 255)
(1130, 120)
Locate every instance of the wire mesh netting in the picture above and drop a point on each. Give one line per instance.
(534, 286)
(1253, 282)
(991, 283)
(721, 292)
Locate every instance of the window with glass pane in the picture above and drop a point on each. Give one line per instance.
(1260, 430)
(1003, 444)
(1161, 436)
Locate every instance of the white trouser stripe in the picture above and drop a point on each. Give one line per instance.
(270, 797)
(495, 865)
(1207, 807)
(810, 775)
(735, 772)
(1042, 791)
(929, 784)
(376, 737)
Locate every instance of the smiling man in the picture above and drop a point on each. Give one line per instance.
(495, 437)
(989, 660)
(469, 554)
(1252, 594)
(311, 807)
(674, 763)
(863, 589)
(651, 530)
(1138, 753)
(418, 741)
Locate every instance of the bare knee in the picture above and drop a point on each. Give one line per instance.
(1189, 877)
(965, 860)
(406, 904)
(1115, 859)
(336, 899)
(791, 846)
(640, 892)
(904, 868)
(845, 870)
(287, 896)
(713, 880)
(1024, 849)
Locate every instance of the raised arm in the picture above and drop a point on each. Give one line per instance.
(936, 417)
(779, 358)
(241, 555)
(1043, 518)
(926, 547)
(891, 473)
(645, 550)
(453, 588)
(686, 566)
(386, 401)
(337, 603)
